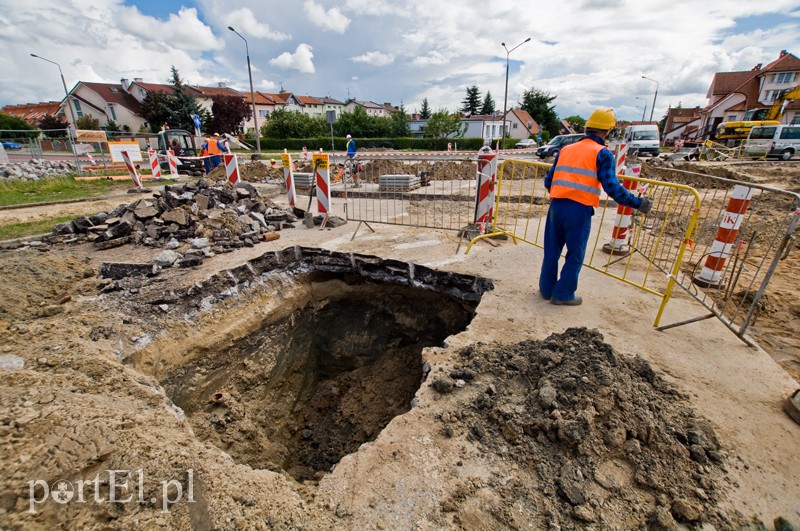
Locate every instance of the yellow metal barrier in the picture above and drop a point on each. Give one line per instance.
(657, 242)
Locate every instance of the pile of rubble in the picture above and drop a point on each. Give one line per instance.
(210, 218)
(35, 169)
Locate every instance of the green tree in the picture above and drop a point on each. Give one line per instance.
(471, 103)
(577, 123)
(356, 123)
(184, 105)
(53, 126)
(293, 124)
(488, 104)
(537, 103)
(10, 124)
(425, 111)
(400, 123)
(156, 109)
(87, 122)
(112, 126)
(229, 113)
(443, 124)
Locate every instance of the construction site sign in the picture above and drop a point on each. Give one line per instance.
(87, 135)
(133, 149)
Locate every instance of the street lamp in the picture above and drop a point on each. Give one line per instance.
(644, 109)
(71, 112)
(505, 96)
(654, 96)
(66, 92)
(252, 94)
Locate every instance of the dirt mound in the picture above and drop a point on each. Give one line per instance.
(599, 438)
(253, 171)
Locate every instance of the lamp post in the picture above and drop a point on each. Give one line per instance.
(654, 96)
(69, 105)
(252, 94)
(505, 96)
(644, 109)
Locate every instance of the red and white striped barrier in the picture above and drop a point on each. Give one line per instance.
(711, 274)
(288, 176)
(322, 178)
(231, 167)
(173, 163)
(305, 154)
(131, 169)
(621, 154)
(487, 175)
(155, 165)
(619, 234)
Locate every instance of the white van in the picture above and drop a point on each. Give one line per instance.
(643, 139)
(773, 141)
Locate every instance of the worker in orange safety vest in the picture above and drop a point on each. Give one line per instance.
(579, 172)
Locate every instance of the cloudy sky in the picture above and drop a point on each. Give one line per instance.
(586, 52)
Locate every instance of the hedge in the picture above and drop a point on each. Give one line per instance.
(340, 144)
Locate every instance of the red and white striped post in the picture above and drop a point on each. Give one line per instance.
(619, 234)
(621, 154)
(322, 180)
(288, 176)
(711, 274)
(155, 165)
(231, 167)
(131, 169)
(173, 163)
(484, 202)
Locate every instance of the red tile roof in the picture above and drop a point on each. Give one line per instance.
(113, 93)
(308, 100)
(784, 63)
(33, 112)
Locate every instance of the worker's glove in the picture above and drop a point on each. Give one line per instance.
(646, 205)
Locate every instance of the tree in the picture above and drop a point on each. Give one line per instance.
(488, 104)
(112, 127)
(184, 105)
(53, 126)
(443, 124)
(537, 103)
(156, 109)
(10, 124)
(400, 123)
(293, 124)
(425, 111)
(229, 113)
(472, 101)
(577, 123)
(87, 122)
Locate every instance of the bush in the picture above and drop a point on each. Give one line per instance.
(399, 143)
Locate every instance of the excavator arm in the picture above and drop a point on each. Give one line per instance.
(776, 111)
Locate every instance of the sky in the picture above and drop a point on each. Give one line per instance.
(587, 53)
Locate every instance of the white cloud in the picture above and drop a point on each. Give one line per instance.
(301, 60)
(181, 31)
(245, 21)
(333, 19)
(374, 58)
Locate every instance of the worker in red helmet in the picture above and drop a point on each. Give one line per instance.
(579, 172)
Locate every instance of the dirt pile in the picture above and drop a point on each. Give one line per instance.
(252, 172)
(222, 215)
(434, 170)
(599, 438)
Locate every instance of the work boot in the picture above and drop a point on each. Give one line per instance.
(561, 302)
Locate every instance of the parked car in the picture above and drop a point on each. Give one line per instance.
(8, 144)
(781, 141)
(552, 148)
(526, 143)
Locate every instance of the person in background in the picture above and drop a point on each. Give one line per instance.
(578, 174)
(351, 153)
(215, 151)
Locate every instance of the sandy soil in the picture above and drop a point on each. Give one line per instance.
(531, 417)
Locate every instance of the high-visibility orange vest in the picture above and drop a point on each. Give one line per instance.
(575, 175)
(213, 147)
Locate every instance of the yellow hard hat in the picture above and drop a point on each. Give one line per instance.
(602, 119)
(216, 134)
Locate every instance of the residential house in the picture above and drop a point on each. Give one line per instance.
(564, 128)
(106, 102)
(417, 126)
(33, 112)
(488, 127)
(265, 106)
(520, 124)
(331, 104)
(680, 123)
(372, 108)
(311, 106)
(731, 94)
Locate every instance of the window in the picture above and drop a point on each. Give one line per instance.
(785, 77)
(113, 112)
(791, 132)
(263, 113)
(514, 125)
(78, 109)
(731, 118)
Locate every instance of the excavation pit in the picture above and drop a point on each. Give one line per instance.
(329, 366)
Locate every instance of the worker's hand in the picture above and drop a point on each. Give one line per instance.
(646, 205)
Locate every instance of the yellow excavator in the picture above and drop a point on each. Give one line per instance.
(737, 131)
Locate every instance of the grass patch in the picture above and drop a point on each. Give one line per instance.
(30, 228)
(15, 192)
